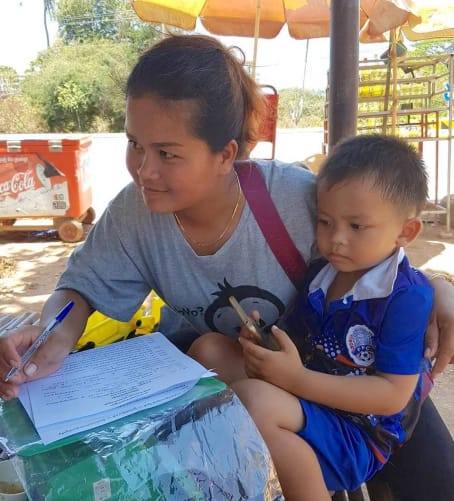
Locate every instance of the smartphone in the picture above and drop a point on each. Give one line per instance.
(262, 332)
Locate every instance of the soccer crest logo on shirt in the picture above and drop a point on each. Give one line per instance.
(360, 344)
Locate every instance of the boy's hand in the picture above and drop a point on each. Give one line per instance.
(246, 333)
(263, 338)
(280, 368)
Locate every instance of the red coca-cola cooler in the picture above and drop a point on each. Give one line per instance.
(45, 177)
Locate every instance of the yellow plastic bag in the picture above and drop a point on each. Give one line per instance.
(101, 330)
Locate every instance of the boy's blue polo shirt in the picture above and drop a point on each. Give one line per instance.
(377, 326)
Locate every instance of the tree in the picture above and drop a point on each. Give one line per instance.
(9, 81)
(17, 115)
(49, 12)
(77, 83)
(431, 47)
(90, 20)
(80, 87)
(434, 48)
(72, 98)
(298, 108)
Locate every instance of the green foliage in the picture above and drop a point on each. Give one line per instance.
(430, 47)
(90, 20)
(77, 84)
(8, 73)
(78, 87)
(86, 20)
(9, 81)
(434, 48)
(300, 109)
(73, 99)
(18, 116)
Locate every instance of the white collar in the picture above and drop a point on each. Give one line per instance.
(376, 283)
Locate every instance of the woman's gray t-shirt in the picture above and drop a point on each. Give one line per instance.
(131, 251)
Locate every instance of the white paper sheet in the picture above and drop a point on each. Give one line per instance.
(97, 386)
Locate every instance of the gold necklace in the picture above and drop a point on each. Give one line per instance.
(224, 231)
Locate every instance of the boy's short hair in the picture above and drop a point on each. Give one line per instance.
(395, 167)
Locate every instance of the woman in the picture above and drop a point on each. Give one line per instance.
(183, 228)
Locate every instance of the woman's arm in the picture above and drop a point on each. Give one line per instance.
(439, 338)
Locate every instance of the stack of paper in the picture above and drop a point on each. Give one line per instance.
(101, 385)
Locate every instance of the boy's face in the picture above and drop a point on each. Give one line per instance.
(356, 227)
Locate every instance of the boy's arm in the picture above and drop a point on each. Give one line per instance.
(378, 394)
(398, 362)
(375, 394)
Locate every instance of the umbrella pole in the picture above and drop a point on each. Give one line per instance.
(256, 35)
(343, 73)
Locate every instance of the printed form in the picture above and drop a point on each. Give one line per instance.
(97, 386)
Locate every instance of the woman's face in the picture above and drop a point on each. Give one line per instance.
(174, 170)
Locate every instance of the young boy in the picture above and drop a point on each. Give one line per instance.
(363, 312)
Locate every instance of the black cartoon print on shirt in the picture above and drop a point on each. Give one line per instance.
(220, 314)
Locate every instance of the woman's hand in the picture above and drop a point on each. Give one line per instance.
(51, 354)
(440, 332)
(281, 368)
(47, 359)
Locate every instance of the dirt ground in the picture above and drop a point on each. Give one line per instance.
(36, 259)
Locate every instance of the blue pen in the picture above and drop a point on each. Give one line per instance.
(45, 333)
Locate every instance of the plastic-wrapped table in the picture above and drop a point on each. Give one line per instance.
(200, 446)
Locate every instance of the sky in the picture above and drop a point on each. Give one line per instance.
(22, 33)
(280, 61)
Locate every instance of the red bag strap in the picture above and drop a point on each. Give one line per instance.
(270, 222)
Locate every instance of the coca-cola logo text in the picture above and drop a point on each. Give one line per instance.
(19, 182)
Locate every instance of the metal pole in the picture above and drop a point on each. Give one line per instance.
(450, 117)
(344, 68)
(305, 66)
